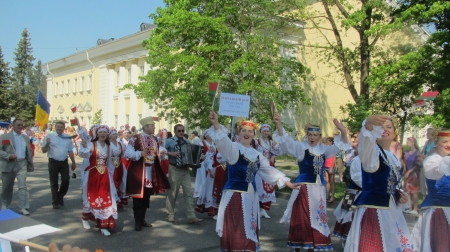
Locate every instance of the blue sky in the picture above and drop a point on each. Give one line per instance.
(59, 27)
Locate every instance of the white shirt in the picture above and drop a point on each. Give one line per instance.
(59, 146)
(20, 146)
(197, 141)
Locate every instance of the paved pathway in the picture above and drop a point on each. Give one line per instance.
(164, 236)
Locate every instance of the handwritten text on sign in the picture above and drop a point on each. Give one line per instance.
(234, 105)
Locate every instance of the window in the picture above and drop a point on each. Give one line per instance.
(89, 87)
(75, 85)
(82, 84)
(129, 75)
(141, 72)
(115, 121)
(117, 79)
(62, 88)
(139, 117)
(68, 87)
(88, 121)
(56, 88)
(127, 119)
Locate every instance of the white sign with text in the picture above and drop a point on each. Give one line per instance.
(234, 105)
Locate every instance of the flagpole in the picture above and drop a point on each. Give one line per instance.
(23, 242)
(215, 95)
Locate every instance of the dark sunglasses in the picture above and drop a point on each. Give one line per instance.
(180, 130)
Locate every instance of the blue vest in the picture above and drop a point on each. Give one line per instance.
(378, 187)
(241, 173)
(438, 193)
(310, 167)
(353, 185)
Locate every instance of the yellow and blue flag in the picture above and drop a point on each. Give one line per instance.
(42, 110)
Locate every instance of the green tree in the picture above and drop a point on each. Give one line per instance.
(38, 78)
(5, 84)
(97, 119)
(235, 43)
(22, 89)
(434, 62)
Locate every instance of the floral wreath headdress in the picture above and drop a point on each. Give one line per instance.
(246, 123)
(440, 133)
(265, 127)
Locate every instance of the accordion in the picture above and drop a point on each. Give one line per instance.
(189, 155)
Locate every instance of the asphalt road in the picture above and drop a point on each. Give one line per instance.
(163, 236)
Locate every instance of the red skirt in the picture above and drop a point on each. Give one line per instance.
(301, 234)
(233, 237)
(117, 177)
(342, 229)
(370, 239)
(440, 232)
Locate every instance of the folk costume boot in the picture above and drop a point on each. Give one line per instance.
(137, 224)
(137, 219)
(143, 222)
(264, 214)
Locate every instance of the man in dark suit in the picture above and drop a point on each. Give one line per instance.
(15, 161)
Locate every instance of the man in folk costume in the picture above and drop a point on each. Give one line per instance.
(145, 176)
(270, 149)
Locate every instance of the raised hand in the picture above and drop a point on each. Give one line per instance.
(277, 118)
(375, 120)
(339, 125)
(214, 119)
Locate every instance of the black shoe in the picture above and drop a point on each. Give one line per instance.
(61, 201)
(138, 225)
(55, 206)
(146, 224)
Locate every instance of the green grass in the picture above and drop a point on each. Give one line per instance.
(287, 167)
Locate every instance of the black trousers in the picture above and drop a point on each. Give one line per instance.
(140, 205)
(55, 168)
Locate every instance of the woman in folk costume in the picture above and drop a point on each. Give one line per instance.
(270, 149)
(120, 172)
(204, 181)
(99, 193)
(378, 222)
(306, 211)
(344, 215)
(432, 230)
(238, 217)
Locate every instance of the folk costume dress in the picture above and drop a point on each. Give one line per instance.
(266, 192)
(238, 218)
(306, 212)
(120, 171)
(432, 230)
(99, 192)
(378, 222)
(344, 217)
(204, 183)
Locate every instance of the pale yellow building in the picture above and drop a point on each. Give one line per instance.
(90, 81)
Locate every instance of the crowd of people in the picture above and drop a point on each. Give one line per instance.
(235, 183)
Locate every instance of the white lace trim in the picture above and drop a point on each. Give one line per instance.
(218, 134)
(445, 166)
(373, 134)
(248, 152)
(341, 145)
(280, 139)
